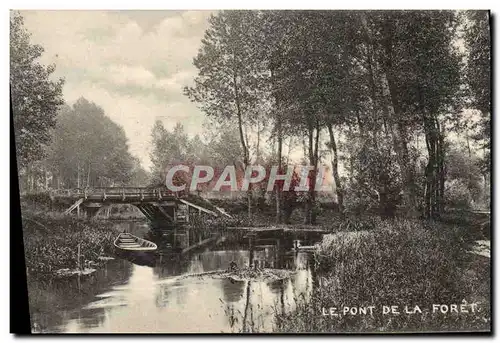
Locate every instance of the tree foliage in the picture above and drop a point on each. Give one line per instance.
(388, 80)
(478, 41)
(35, 96)
(88, 149)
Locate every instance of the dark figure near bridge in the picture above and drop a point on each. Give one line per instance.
(289, 204)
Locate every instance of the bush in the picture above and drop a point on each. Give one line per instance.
(457, 194)
(400, 263)
(51, 242)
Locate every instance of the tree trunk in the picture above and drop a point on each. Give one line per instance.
(279, 138)
(242, 140)
(78, 176)
(313, 148)
(257, 148)
(280, 153)
(429, 184)
(308, 206)
(434, 171)
(289, 150)
(399, 134)
(335, 170)
(393, 114)
(468, 143)
(371, 73)
(441, 169)
(88, 176)
(316, 160)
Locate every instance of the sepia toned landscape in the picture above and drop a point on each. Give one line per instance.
(244, 171)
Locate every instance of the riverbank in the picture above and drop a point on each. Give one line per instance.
(54, 243)
(401, 263)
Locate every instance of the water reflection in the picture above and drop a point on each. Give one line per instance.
(232, 290)
(53, 302)
(171, 296)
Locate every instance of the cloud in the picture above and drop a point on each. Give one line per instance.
(133, 64)
(136, 75)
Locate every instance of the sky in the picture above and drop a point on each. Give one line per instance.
(133, 64)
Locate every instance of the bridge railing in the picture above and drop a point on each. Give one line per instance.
(115, 191)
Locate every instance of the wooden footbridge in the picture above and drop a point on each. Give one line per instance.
(158, 205)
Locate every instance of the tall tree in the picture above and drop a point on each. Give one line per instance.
(301, 107)
(478, 71)
(139, 176)
(340, 85)
(433, 90)
(228, 73)
(88, 149)
(35, 97)
(420, 75)
(275, 34)
(170, 148)
(382, 29)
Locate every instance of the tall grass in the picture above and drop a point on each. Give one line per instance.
(402, 263)
(51, 242)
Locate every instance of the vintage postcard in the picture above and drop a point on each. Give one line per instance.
(253, 171)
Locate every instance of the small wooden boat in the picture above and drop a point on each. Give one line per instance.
(128, 242)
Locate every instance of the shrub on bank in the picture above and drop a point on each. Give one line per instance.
(402, 263)
(51, 242)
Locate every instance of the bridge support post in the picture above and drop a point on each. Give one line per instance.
(175, 237)
(251, 243)
(91, 211)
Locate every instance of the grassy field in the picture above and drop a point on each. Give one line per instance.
(396, 263)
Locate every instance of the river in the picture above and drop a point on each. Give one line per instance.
(163, 297)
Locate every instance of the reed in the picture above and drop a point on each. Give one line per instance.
(56, 242)
(401, 263)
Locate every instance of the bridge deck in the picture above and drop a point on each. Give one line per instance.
(115, 194)
(159, 205)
